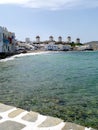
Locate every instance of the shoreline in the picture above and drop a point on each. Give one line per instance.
(12, 56)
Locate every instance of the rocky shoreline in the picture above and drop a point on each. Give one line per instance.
(5, 55)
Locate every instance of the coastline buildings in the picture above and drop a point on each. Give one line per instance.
(7, 41)
(53, 45)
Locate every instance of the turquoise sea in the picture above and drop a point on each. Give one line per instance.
(60, 84)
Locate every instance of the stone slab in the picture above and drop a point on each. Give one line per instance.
(26, 120)
(50, 121)
(11, 125)
(72, 126)
(15, 113)
(31, 116)
(4, 108)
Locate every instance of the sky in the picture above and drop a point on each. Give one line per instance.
(29, 18)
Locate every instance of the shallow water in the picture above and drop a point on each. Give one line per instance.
(62, 84)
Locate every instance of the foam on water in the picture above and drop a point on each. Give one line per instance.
(22, 55)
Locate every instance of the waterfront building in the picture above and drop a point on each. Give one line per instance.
(7, 41)
(68, 39)
(1, 39)
(57, 47)
(83, 47)
(78, 40)
(24, 47)
(51, 46)
(64, 47)
(37, 39)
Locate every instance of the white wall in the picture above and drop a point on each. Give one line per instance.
(1, 44)
(1, 39)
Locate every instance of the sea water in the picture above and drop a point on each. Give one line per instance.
(61, 84)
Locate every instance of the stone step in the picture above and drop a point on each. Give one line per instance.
(12, 118)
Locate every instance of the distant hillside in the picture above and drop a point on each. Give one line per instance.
(93, 44)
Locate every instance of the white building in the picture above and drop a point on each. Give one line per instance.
(7, 40)
(64, 47)
(51, 46)
(83, 47)
(57, 47)
(24, 46)
(27, 40)
(1, 39)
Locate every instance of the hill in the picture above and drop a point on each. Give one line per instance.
(92, 44)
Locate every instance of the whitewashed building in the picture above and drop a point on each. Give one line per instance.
(27, 40)
(24, 46)
(51, 46)
(7, 41)
(57, 47)
(64, 47)
(83, 47)
(1, 39)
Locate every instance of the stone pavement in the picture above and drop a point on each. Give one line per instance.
(12, 118)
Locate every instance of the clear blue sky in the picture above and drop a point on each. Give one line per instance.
(27, 18)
